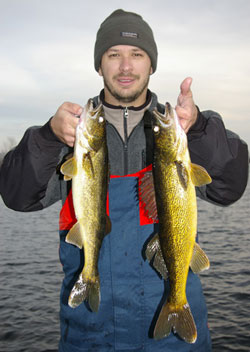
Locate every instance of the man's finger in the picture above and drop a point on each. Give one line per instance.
(182, 113)
(73, 108)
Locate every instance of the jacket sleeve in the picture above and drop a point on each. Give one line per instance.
(27, 170)
(223, 154)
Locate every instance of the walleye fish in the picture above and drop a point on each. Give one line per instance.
(174, 249)
(88, 169)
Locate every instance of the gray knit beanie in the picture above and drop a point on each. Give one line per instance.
(125, 28)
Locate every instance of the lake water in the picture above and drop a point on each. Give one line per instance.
(30, 277)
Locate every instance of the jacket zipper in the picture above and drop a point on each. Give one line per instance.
(125, 148)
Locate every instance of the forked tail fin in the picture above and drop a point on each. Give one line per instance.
(178, 319)
(85, 290)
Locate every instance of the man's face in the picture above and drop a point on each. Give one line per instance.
(125, 70)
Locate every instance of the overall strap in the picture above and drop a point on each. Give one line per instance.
(95, 101)
(148, 130)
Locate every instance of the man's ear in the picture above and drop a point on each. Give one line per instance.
(151, 71)
(100, 71)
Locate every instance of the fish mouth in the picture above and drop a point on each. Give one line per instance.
(98, 110)
(90, 118)
(94, 130)
(94, 113)
(165, 120)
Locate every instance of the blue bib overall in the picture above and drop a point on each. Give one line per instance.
(132, 293)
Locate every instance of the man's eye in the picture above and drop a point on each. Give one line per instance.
(113, 55)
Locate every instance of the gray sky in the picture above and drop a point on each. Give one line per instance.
(47, 56)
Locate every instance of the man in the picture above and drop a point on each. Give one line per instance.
(131, 291)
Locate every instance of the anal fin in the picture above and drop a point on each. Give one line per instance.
(154, 256)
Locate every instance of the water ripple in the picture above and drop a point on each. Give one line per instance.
(29, 302)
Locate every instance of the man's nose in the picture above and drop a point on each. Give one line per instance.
(126, 64)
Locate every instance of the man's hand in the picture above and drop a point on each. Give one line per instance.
(64, 122)
(185, 108)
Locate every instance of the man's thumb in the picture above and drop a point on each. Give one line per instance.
(185, 86)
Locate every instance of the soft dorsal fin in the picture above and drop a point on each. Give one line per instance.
(199, 175)
(199, 261)
(147, 195)
(69, 168)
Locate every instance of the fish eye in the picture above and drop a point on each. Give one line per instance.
(156, 129)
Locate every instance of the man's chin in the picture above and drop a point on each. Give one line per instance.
(126, 98)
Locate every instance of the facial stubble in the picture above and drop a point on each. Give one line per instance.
(129, 98)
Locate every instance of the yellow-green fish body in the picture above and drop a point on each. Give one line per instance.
(175, 178)
(88, 169)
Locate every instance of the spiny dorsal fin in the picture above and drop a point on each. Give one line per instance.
(199, 175)
(69, 168)
(147, 195)
(199, 261)
(74, 236)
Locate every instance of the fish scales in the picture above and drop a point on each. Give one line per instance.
(90, 213)
(176, 234)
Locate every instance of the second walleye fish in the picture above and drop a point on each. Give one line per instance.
(174, 249)
(88, 169)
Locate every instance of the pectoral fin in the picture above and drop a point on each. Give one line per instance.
(87, 163)
(74, 236)
(108, 225)
(199, 261)
(182, 173)
(199, 175)
(69, 169)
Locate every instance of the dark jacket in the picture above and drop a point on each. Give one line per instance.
(132, 293)
(30, 180)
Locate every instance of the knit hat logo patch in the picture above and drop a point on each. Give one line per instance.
(129, 35)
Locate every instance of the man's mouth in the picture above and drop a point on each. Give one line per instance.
(125, 80)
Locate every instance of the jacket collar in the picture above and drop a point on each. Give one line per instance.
(138, 108)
